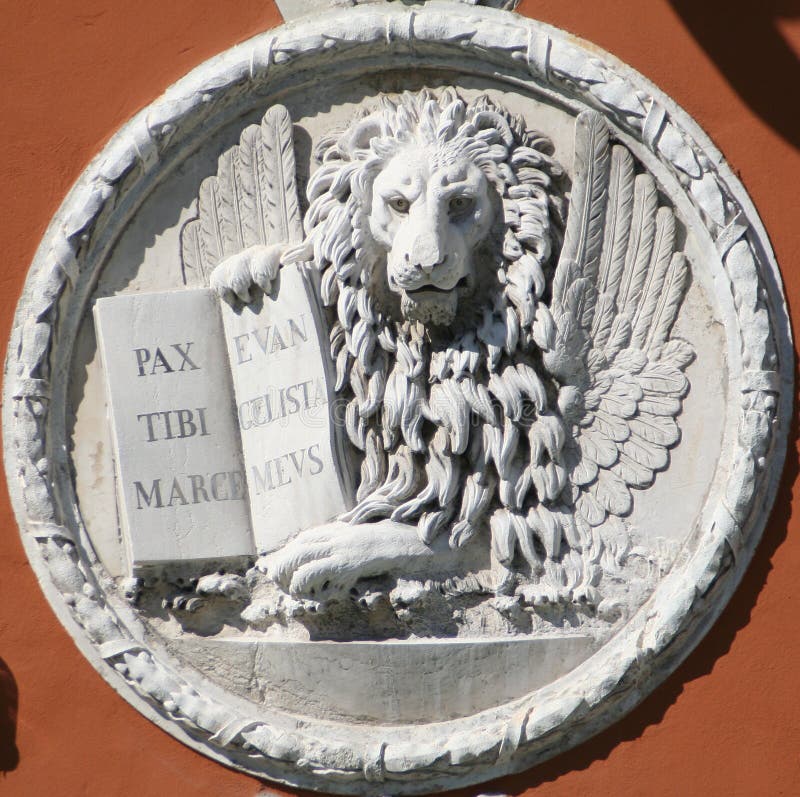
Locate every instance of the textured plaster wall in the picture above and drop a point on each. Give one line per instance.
(728, 722)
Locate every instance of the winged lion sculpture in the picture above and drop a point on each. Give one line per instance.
(501, 337)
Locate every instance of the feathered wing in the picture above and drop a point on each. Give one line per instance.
(617, 290)
(251, 200)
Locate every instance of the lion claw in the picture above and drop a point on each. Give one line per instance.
(255, 266)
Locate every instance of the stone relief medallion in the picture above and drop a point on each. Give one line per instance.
(396, 401)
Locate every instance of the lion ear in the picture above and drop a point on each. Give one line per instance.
(360, 135)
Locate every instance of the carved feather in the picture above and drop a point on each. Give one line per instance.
(612, 493)
(210, 235)
(628, 362)
(566, 274)
(640, 245)
(621, 400)
(678, 353)
(282, 209)
(670, 302)
(604, 315)
(598, 447)
(191, 256)
(251, 186)
(618, 222)
(649, 455)
(619, 337)
(611, 426)
(657, 429)
(652, 292)
(583, 238)
(632, 472)
(590, 509)
(663, 378)
(228, 210)
(659, 404)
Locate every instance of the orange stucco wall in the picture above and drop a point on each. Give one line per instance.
(728, 721)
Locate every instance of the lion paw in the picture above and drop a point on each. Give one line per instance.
(256, 266)
(309, 570)
(326, 562)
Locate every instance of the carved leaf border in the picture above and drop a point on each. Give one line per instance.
(405, 759)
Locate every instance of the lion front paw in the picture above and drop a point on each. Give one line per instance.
(256, 266)
(314, 567)
(327, 561)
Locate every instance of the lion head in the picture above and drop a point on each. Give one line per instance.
(431, 207)
(432, 222)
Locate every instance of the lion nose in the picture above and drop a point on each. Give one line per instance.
(425, 253)
(427, 268)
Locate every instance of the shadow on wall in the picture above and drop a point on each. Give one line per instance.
(745, 42)
(9, 701)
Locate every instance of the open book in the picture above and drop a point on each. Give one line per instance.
(222, 421)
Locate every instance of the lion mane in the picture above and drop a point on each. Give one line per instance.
(459, 427)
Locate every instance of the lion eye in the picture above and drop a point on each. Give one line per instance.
(400, 204)
(461, 204)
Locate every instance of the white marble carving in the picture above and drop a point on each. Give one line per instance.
(187, 463)
(509, 276)
(283, 390)
(488, 380)
(180, 475)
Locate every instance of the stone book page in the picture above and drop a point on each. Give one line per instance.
(283, 387)
(220, 444)
(180, 476)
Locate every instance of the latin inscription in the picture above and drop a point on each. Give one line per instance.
(173, 358)
(280, 373)
(276, 403)
(169, 424)
(195, 488)
(179, 424)
(271, 339)
(177, 446)
(282, 471)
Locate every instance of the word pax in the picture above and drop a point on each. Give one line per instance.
(151, 362)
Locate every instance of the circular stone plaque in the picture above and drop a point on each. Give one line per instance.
(397, 400)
